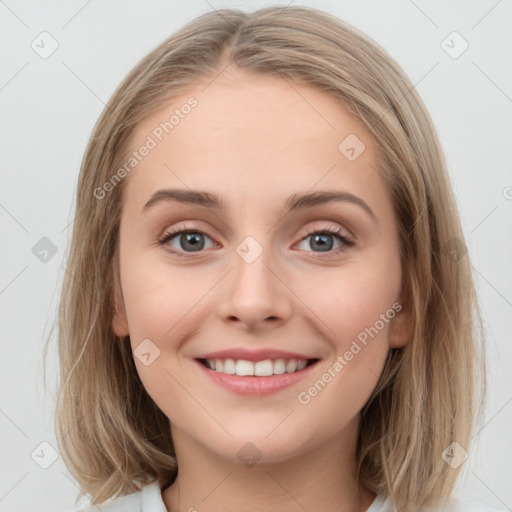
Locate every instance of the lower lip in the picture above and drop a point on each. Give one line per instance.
(250, 385)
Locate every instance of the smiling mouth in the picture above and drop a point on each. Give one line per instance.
(264, 368)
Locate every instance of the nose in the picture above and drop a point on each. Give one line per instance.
(255, 295)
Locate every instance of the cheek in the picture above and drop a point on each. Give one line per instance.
(161, 302)
(162, 305)
(352, 300)
(166, 303)
(356, 316)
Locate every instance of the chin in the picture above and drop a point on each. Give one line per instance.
(261, 445)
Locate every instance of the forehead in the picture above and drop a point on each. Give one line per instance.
(254, 135)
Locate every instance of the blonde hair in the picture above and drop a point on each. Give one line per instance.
(111, 434)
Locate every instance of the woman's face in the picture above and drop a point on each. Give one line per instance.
(266, 277)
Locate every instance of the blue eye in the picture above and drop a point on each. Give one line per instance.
(323, 240)
(192, 241)
(188, 240)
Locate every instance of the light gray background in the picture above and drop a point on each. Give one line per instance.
(49, 106)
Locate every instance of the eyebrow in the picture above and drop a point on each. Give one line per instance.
(296, 201)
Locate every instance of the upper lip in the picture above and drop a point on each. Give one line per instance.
(253, 355)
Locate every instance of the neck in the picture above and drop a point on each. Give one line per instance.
(320, 480)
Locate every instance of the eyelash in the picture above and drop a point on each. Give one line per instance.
(178, 230)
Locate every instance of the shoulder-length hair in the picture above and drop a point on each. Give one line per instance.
(111, 434)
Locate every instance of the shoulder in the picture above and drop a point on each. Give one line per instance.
(149, 499)
(455, 504)
(129, 503)
(467, 504)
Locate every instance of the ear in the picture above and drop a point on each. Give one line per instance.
(119, 317)
(401, 328)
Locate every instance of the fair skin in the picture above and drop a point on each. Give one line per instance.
(255, 141)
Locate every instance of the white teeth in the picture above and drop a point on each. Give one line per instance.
(263, 368)
(244, 367)
(301, 364)
(229, 366)
(279, 366)
(291, 365)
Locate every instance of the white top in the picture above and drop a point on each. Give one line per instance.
(149, 499)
